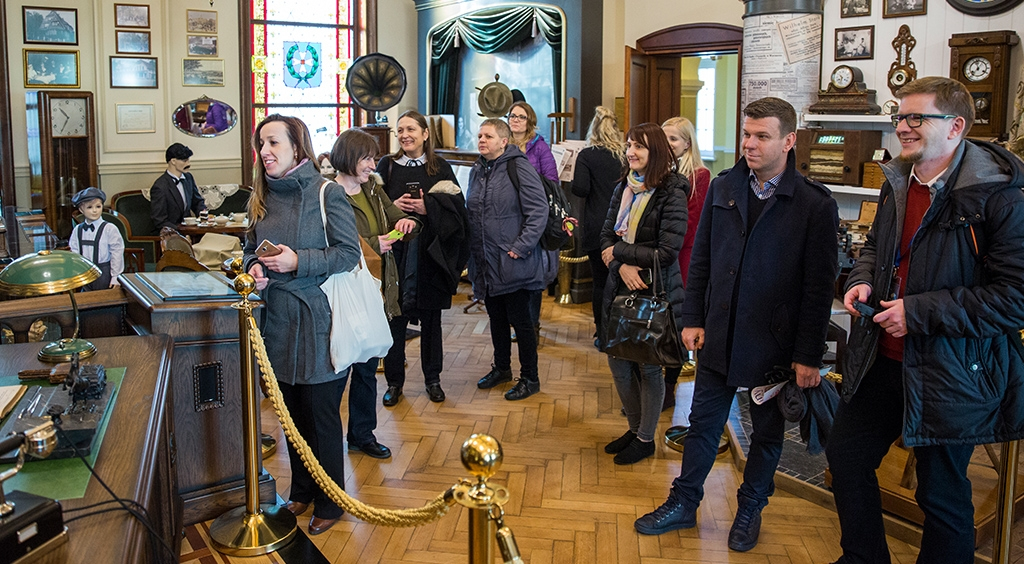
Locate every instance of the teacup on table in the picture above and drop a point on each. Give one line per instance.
(221, 220)
(238, 217)
(191, 221)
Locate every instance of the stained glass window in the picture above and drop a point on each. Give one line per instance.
(300, 55)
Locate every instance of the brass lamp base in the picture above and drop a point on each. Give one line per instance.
(240, 533)
(62, 350)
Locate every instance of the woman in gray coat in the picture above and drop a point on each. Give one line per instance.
(285, 209)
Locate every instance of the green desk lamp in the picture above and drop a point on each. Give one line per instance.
(51, 272)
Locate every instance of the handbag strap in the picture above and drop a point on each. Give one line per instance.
(323, 217)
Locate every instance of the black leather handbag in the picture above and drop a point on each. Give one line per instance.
(642, 328)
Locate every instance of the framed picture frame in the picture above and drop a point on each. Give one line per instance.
(202, 72)
(855, 8)
(50, 69)
(49, 26)
(136, 42)
(853, 43)
(201, 21)
(901, 8)
(133, 72)
(135, 118)
(202, 45)
(131, 15)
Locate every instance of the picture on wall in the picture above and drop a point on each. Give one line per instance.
(52, 69)
(131, 15)
(201, 21)
(855, 8)
(202, 45)
(133, 72)
(133, 42)
(855, 43)
(56, 26)
(900, 8)
(202, 72)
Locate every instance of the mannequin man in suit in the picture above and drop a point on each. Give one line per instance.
(175, 193)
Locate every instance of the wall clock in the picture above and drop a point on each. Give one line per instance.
(984, 7)
(981, 61)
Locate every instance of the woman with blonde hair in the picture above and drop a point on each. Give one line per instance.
(599, 168)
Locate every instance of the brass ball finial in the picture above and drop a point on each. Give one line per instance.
(236, 265)
(481, 455)
(245, 284)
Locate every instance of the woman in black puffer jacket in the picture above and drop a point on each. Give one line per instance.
(644, 229)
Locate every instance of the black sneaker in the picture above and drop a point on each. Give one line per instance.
(620, 444)
(494, 377)
(636, 451)
(522, 390)
(672, 515)
(745, 528)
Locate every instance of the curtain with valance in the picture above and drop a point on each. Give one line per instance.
(488, 31)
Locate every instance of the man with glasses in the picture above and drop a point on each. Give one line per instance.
(940, 360)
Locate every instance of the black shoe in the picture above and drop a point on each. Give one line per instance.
(435, 393)
(522, 390)
(635, 452)
(620, 444)
(392, 396)
(745, 528)
(372, 449)
(494, 377)
(672, 515)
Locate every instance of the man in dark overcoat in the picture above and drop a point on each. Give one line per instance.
(758, 295)
(941, 361)
(174, 194)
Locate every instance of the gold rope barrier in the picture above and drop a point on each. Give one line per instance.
(432, 511)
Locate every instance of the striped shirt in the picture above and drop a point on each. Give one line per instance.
(763, 193)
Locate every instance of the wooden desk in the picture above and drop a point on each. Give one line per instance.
(229, 228)
(137, 456)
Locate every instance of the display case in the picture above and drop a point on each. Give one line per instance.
(836, 156)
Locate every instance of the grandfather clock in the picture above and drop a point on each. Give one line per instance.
(61, 152)
(981, 61)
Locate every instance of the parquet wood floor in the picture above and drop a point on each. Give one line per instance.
(570, 503)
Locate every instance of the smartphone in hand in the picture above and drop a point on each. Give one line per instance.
(267, 249)
(414, 191)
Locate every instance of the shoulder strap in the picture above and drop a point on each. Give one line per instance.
(323, 217)
(513, 173)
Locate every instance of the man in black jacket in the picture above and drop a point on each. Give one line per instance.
(758, 295)
(940, 360)
(175, 193)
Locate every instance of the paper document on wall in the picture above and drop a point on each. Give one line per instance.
(565, 154)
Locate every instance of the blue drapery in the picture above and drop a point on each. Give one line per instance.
(488, 31)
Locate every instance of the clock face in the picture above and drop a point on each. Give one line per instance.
(977, 69)
(842, 77)
(897, 78)
(890, 107)
(68, 117)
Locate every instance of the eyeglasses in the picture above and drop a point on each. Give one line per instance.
(915, 120)
(516, 117)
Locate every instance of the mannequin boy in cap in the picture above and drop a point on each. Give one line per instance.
(96, 239)
(175, 193)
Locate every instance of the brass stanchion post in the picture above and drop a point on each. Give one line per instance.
(481, 455)
(1004, 516)
(253, 529)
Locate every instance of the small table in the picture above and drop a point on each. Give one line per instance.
(200, 229)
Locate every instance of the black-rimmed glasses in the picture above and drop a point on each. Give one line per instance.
(516, 117)
(915, 120)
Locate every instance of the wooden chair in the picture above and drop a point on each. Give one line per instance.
(236, 202)
(179, 261)
(171, 240)
(134, 210)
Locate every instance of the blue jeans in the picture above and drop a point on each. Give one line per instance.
(863, 431)
(362, 402)
(712, 399)
(642, 391)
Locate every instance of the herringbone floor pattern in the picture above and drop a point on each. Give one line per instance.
(570, 503)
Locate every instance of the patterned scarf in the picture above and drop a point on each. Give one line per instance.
(632, 206)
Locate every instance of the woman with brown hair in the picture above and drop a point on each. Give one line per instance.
(285, 209)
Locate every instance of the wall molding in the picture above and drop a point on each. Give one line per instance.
(158, 167)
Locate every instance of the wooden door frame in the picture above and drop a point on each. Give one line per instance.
(7, 188)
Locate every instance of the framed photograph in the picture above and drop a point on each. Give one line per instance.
(202, 72)
(855, 43)
(855, 8)
(900, 8)
(202, 45)
(133, 72)
(131, 15)
(133, 42)
(52, 69)
(201, 21)
(55, 26)
(135, 118)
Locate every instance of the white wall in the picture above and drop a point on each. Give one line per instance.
(396, 36)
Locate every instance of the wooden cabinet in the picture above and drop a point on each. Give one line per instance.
(835, 157)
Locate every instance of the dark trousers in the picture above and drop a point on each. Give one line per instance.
(712, 399)
(514, 309)
(431, 348)
(315, 410)
(599, 275)
(362, 402)
(535, 301)
(864, 430)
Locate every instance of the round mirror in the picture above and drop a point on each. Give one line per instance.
(204, 117)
